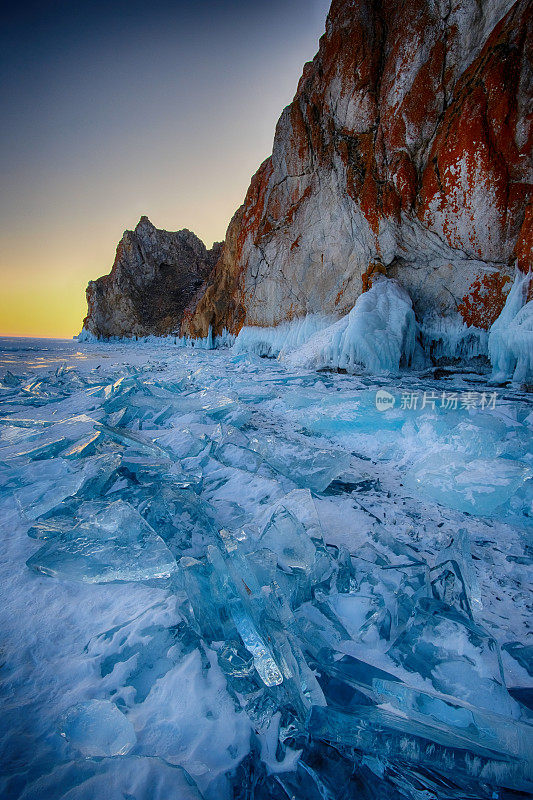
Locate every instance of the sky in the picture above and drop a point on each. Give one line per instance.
(112, 110)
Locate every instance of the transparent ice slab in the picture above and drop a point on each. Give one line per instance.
(208, 613)
(134, 440)
(269, 608)
(458, 656)
(218, 406)
(235, 660)
(264, 662)
(287, 537)
(477, 486)
(388, 735)
(115, 545)
(186, 522)
(233, 455)
(51, 527)
(48, 483)
(309, 467)
(523, 654)
(501, 734)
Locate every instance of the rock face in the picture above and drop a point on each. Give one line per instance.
(408, 144)
(154, 277)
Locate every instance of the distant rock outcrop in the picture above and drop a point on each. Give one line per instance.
(155, 276)
(408, 144)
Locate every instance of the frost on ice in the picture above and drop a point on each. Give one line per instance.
(246, 581)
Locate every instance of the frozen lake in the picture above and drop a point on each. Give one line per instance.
(220, 573)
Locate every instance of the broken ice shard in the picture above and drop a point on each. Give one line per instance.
(463, 547)
(459, 657)
(264, 662)
(478, 486)
(310, 467)
(47, 483)
(98, 728)
(282, 631)
(209, 616)
(288, 539)
(180, 442)
(85, 446)
(51, 527)
(521, 653)
(11, 380)
(395, 736)
(233, 455)
(508, 736)
(364, 617)
(115, 545)
(134, 440)
(185, 521)
(235, 660)
(449, 585)
(330, 620)
(46, 450)
(218, 406)
(271, 614)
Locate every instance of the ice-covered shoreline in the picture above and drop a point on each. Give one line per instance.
(381, 336)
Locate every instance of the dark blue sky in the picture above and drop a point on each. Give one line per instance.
(112, 110)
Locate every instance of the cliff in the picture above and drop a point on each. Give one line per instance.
(155, 275)
(406, 150)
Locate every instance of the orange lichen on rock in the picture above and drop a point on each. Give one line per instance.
(296, 243)
(373, 269)
(475, 161)
(485, 301)
(254, 202)
(340, 294)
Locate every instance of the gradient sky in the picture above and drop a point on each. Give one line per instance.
(111, 110)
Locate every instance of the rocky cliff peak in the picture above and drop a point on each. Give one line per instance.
(155, 275)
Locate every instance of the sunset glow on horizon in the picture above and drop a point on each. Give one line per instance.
(115, 110)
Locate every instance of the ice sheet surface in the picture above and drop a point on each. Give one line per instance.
(225, 577)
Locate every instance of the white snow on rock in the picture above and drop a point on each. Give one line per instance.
(511, 336)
